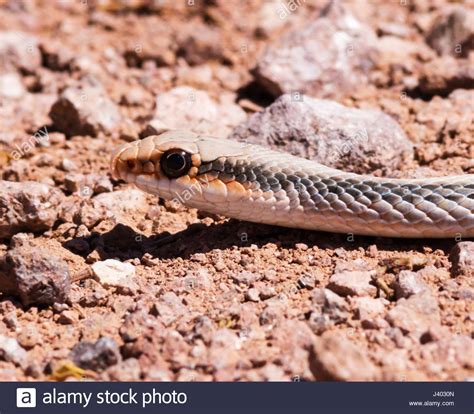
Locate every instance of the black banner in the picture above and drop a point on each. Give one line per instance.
(298, 397)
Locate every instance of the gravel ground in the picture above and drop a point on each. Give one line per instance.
(101, 281)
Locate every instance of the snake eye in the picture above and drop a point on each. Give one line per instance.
(175, 163)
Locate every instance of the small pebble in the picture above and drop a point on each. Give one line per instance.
(353, 283)
(68, 165)
(112, 273)
(252, 295)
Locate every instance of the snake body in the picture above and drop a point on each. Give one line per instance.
(252, 183)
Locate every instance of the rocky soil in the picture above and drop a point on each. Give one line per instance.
(101, 281)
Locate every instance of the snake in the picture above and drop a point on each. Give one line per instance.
(253, 183)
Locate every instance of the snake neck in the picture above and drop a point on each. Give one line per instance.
(292, 186)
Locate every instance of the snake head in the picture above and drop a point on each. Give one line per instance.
(170, 163)
(171, 154)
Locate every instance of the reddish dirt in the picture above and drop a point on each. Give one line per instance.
(219, 299)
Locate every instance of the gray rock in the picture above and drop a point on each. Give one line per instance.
(353, 283)
(96, 356)
(452, 33)
(462, 258)
(328, 58)
(336, 358)
(27, 206)
(36, 276)
(415, 315)
(85, 111)
(355, 140)
(11, 351)
(409, 283)
(19, 50)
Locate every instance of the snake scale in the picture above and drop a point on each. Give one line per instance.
(253, 183)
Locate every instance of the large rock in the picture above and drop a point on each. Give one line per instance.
(357, 140)
(188, 108)
(35, 276)
(328, 58)
(27, 206)
(85, 110)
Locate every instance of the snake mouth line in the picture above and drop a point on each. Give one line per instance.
(114, 160)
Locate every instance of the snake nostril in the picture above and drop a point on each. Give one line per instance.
(131, 164)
